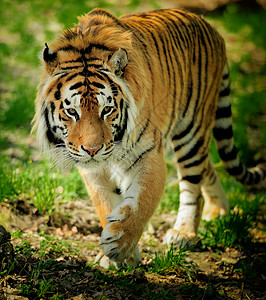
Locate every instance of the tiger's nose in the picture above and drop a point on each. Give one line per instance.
(92, 150)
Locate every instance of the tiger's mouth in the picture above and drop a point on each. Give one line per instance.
(67, 154)
(88, 156)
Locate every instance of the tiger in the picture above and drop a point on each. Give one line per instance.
(115, 93)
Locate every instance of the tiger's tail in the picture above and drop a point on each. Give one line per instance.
(223, 135)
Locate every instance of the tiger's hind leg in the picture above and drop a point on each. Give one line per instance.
(215, 201)
(192, 161)
(192, 188)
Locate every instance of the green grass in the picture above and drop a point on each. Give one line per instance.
(173, 260)
(229, 231)
(45, 186)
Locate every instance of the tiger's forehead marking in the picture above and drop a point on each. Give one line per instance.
(84, 96)
(104, 97)
(72, 97)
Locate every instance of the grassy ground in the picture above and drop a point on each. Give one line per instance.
(53, 227)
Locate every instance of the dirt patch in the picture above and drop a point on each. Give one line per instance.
(49, 260)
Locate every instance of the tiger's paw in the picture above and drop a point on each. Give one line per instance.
(114, 242)
(118, 242)
(210, 213)
(179, 239)
(105, 262)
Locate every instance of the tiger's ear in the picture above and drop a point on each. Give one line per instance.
(118, 61)
(50, 58)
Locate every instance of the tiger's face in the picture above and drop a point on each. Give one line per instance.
(86, 113)
(86, 121)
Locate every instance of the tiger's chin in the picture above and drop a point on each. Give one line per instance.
(89, 164)
(92, 162)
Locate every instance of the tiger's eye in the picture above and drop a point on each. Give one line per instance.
(72, 111)
(107, 109)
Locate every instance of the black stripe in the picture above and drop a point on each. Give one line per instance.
(78, 60)
(67, 102)
(225, 92)
(70, 68)
(75, 94)
(57, 94)
(52, 105)
(88, 73)
(68, 48)
(143, 130)
(85, 73)
(253, 178)
(223, 112)
(225, 76)
(50, 136)
(256, 178)
(72, 77)
(121, 130)
(61, 118)
(212, 178)
(61, 74)
(118, 191)
(227, 156)
(195, 179)
(76, 85)
(235, 171)
(86, 50)
(97, 46)
(248, 178)
(177, 148)
(98, 85)
(223, 133)
(96, 66)
(192, 151)
(196, 162)
(183, 133)
(114, 90)
(141, 155)
(245, 176)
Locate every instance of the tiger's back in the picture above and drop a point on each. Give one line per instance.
(185, 59)
(113, 92)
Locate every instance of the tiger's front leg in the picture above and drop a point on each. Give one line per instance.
(142, 189)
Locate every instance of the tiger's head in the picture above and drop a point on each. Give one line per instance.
(84, 107)
(91, 91)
